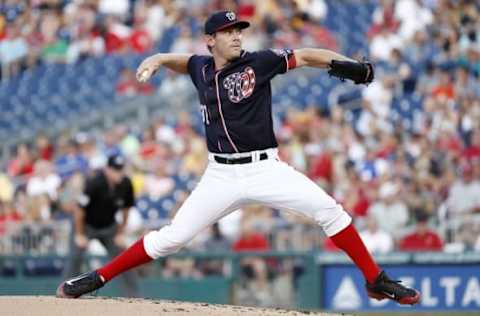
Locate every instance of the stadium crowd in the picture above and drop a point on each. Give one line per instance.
(409, 187)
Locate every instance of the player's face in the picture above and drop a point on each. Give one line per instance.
(228, 43)
(115, 176)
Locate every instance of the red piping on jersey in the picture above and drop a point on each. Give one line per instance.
(221, 114)
(290, 61)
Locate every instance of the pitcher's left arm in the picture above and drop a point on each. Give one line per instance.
(339, 65)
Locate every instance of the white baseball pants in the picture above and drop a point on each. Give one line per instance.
(224, 188)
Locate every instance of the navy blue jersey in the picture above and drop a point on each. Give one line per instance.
(236, 101)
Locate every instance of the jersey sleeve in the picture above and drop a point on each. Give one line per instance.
(194, 67)
(272, 62)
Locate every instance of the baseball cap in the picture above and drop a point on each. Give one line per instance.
(221, 20)
(116, 162)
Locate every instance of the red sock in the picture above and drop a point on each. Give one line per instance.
(130, 258)
(349, 241)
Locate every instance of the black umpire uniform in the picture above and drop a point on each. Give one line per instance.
(105, 193)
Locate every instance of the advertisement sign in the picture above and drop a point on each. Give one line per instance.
(443, 287)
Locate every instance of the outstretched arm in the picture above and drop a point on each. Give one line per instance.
(175, 62)
(339, 65)
(316, 57)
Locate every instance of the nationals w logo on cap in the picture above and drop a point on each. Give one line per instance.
(221, 20)
(231, 16)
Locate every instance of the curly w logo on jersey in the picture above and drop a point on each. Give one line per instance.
(240, 84)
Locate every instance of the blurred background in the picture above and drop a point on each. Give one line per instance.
(402, 154)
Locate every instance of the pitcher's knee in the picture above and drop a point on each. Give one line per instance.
(333, 220)
(159, 243)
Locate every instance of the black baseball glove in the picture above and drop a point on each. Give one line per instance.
(358, 72)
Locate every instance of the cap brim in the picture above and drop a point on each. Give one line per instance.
(241, 24)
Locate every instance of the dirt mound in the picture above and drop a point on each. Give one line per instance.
(51, 306)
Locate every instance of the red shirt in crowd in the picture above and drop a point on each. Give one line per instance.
(427, 241)
(322, 168)
(447, 91)
(140, 41)
(6, 219)
(471, 153)
(252, 242)
(18, 168)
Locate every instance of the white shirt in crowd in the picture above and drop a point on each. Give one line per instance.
(44, 185)
(391, 218)
(463, 197)
(377, 241)
(383, 44)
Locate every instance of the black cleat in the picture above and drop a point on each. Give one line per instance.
(384, 288)
(79, 285)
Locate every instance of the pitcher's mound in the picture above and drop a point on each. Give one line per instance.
(51, 306)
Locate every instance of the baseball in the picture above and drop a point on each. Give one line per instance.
(144, 75)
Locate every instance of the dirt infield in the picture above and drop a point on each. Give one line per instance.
(92, 306)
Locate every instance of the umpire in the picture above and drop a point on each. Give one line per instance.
(105, 193)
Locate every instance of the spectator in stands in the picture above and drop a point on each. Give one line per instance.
(128, 142)
(423, 238)
(176, 89)
(216, 242)
(375, 239)
(3, 24)
(13, 50)
(140, 40)
(38, 208)
(355, 196)
(390, 211)
(69, 160)
(377, 99)
(90, 151)
(445, 87)
(419, 51)
(413, 16)
(466, 236)
(401, 73)
(8, 215)
(55, 48)
(44, 181)
(22, 163)
(110, 143)
(128, 86)
(465, 85)
(383, 17)
(68, 196)
(85, 44)
(104, 194)
(44, 148)
(472, 150)
(464, 197)
(118, 8)
(148, 147)
(6, 188)
(159, 183)
(116, 35)
(418, 196)
(427, 79)
(255, 268)
(383, 43)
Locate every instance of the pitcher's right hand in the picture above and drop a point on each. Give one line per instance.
(148, 68)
